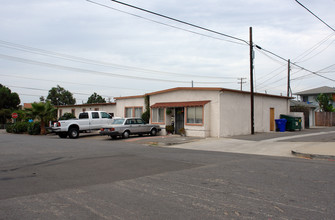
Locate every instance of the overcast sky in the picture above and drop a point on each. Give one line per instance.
(115, 50)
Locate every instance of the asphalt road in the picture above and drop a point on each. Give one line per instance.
(45, 177)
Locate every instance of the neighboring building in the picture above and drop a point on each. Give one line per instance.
(307, 109)
(309, 96)
(207, 112)
(76, 109)
(27, 106)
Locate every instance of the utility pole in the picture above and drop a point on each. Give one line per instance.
(251, 82)
(288, 78)
(241, 81)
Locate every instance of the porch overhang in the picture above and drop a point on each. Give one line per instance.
(179, 104)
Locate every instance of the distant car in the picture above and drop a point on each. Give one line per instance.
(124, 127)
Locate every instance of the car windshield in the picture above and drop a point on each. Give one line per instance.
(118, 121)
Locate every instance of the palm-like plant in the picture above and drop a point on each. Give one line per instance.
(44, 112)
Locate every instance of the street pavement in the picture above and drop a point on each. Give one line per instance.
(316, 142)
(94, 177)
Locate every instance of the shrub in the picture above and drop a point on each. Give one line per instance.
(20, 127)
(146, 116)
(34, 128)
(169, 128)
(9, 128)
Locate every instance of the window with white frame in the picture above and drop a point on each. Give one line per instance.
(158, 115)
(194, 115)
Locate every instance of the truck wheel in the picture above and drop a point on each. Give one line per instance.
(62, 135)
(153, 132)
(125, 134)
(74, 133)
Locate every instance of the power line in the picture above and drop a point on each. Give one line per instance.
(212, 31)
(82, 84)
(22, 87)
(161, 23)
(180, 21)
(94, 62)
(315, 15)
(294, 63)
(56, 66)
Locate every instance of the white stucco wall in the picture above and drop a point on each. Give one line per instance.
(236, 114)
(211, 113)
(121, 104)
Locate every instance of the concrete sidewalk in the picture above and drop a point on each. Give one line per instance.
(284, 145)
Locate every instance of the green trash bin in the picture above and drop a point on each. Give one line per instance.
(292, 123)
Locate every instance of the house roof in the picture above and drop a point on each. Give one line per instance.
(200, 89)
(179, 104)
(305, 104)
(27, 105)
(129, 97)
(87, 105)
(319, 90)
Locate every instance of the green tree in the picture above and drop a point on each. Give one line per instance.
(146, 114)
(324, 102)
(59, 96)
(95, 98)
(44, 112)
(9, 101)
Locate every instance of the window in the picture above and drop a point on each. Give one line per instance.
(118, 121)
(96, 109)
(129, 112)
(83, 115)
(133, 112)
(139, 121)
(158, 115)
(105, 115)
(60, 112)
(138, 112)
(73, 111)
(84, 109)
(95, 115)
(194, 115)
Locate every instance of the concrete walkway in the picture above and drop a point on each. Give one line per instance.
(285, 145)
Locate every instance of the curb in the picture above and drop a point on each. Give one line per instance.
(313, 156)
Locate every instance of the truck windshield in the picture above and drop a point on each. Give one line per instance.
(118, 121)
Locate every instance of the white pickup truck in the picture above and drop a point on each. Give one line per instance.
(87, 121)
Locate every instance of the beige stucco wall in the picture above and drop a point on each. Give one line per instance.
(210, 109)
(236, 114)
(121, 104)
(79, 108)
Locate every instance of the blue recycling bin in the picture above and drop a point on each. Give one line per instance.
(281, 124)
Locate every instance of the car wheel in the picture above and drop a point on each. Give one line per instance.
(153, 132)
(62, 135)
(74, 133)
(125, 134)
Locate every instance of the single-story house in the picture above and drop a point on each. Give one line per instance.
(76, 109)
(206, 112)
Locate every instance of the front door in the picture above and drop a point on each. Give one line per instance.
(272, 119)
(179, 121)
